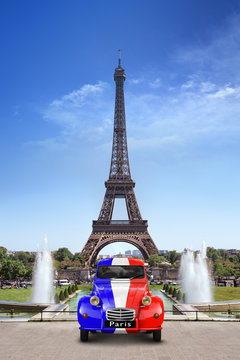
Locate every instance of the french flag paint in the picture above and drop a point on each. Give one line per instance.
(122, 293)
(120, 290)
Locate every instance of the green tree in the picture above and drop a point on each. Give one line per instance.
(70, 290)
(3, 253)
(212, 254)
(78, 257)
(222, 270)
(233, 259)
(66, 294)
(22, 256)
(170, 290)
(224, 254)
(174, 293)
(29, 272)
(63, 254)
(56, 298)
(172, 256)
(179, 295)
(12, 269)
(61, 295)
(155, 260)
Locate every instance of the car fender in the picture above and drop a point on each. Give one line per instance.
(146, 314)
(94, 313)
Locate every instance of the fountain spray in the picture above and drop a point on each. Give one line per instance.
(43, 276)
(194, 275)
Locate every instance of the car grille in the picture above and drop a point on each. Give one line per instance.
(120, 314)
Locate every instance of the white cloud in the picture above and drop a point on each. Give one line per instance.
(207, 86)
(156, 83)
(136, 81)
(154, 142)
(188, 84)
(82, 109)
(203, 107)
(78, 98)
(219, 59)
(227, 91)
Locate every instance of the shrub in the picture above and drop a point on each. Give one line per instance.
(174, 293)
(76, 287)
(73, 289)
(167, 288)
(61, 295)
(56, 298)
(70, 290)
(66, 294)
(179, 295)
(170, 290)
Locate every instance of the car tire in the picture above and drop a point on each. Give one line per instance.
(84, 335)
(157, 335)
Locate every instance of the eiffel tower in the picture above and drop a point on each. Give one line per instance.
(119, 185)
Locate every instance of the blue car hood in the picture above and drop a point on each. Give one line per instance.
(104, 291)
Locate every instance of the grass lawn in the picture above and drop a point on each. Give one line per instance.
(21, 295)
(219, 293)
(85, 287)
(155, 287)
(24, 295)
(226, 293)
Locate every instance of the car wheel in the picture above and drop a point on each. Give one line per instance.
(157, 335)
(84, 335)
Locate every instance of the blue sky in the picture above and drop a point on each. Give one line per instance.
(182, 97)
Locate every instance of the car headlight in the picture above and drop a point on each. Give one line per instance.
(146, 300)
(94, 300)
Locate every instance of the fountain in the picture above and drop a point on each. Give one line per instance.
(195, 278)
(43, 276)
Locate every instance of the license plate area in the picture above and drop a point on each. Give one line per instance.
(120, 324)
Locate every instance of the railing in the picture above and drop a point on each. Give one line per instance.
(196, 312)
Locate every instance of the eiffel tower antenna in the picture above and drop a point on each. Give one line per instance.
(119, 185)
(119, 57)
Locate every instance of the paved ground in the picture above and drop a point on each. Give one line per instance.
(180, 340)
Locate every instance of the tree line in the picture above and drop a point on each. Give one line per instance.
(20, 265)
(223, 263)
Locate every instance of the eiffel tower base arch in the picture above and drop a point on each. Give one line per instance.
(97, 241)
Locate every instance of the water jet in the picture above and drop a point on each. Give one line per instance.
(194, 275)
(43, 277)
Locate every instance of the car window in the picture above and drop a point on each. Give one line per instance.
(120, 272)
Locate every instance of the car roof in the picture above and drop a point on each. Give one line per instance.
(120, 261)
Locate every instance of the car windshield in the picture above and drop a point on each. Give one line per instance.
(120, 272)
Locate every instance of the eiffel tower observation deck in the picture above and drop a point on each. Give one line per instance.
(119, 185)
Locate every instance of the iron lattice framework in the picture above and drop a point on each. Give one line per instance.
(119, 185)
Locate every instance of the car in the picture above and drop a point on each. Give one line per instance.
(63, 282)
(120, 301)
